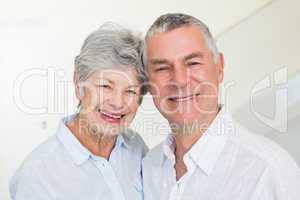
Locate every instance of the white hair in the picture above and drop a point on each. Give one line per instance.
(171, 21)
(110, 46)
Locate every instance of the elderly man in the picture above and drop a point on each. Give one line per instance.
(207, 155)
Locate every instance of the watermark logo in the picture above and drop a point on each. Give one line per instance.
(277, 80)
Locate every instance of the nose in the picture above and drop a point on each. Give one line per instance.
(180, 76)
(116, 101)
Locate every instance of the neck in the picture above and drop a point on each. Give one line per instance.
(97, 143)
(187, 135)
(184, 144)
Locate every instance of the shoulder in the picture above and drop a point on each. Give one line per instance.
(260, 152)
(280, 168)
(154, 157)
(41, 153)
(261, 147)
(30, 173)
(134, 140)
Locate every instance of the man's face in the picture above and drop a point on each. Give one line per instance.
(183, 77)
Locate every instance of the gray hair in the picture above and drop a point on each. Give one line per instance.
(171, 21)
(110, 46)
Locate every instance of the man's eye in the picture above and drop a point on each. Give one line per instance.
(194, 63)
(161, 69)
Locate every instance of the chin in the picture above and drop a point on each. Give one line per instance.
(111, 131)
(183, 119)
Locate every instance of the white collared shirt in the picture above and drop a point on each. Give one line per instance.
(63, 169)
(226, 163)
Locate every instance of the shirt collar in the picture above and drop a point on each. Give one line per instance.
(206, 151)
(78, 152)
(169, 147)
(123, 140)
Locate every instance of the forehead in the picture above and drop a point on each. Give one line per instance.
(123, 75)
(177, 43)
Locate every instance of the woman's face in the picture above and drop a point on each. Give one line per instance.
(110, 100)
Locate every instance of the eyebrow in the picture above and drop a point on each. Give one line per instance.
(133, 86)
(157, 61)
(111, 82)
(100, 80)
(193, 55)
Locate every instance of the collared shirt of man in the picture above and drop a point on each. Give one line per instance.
(227, 162)
(63, 169)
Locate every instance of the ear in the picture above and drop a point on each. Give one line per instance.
(78, 89)
(221, 67)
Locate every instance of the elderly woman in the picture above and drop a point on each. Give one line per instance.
(93, 154)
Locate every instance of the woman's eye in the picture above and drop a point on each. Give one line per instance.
(104, 86)
(131, 91)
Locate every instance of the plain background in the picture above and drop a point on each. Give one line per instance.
(39, 40)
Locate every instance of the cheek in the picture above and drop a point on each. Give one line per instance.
(132, 103)
(201, 74)
(157, 81)
(157, 93)
(102, 97)
(131, 112)
(157, 102)
(206, 77)
(88, 100)
(157, 88)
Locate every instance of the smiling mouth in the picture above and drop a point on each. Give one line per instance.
(111, 117)
(183, 98)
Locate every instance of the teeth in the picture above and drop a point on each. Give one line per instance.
(186, 98)
(183, 98)
(179, 99)
(112, 116)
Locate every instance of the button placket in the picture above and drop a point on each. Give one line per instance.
(110, 179)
